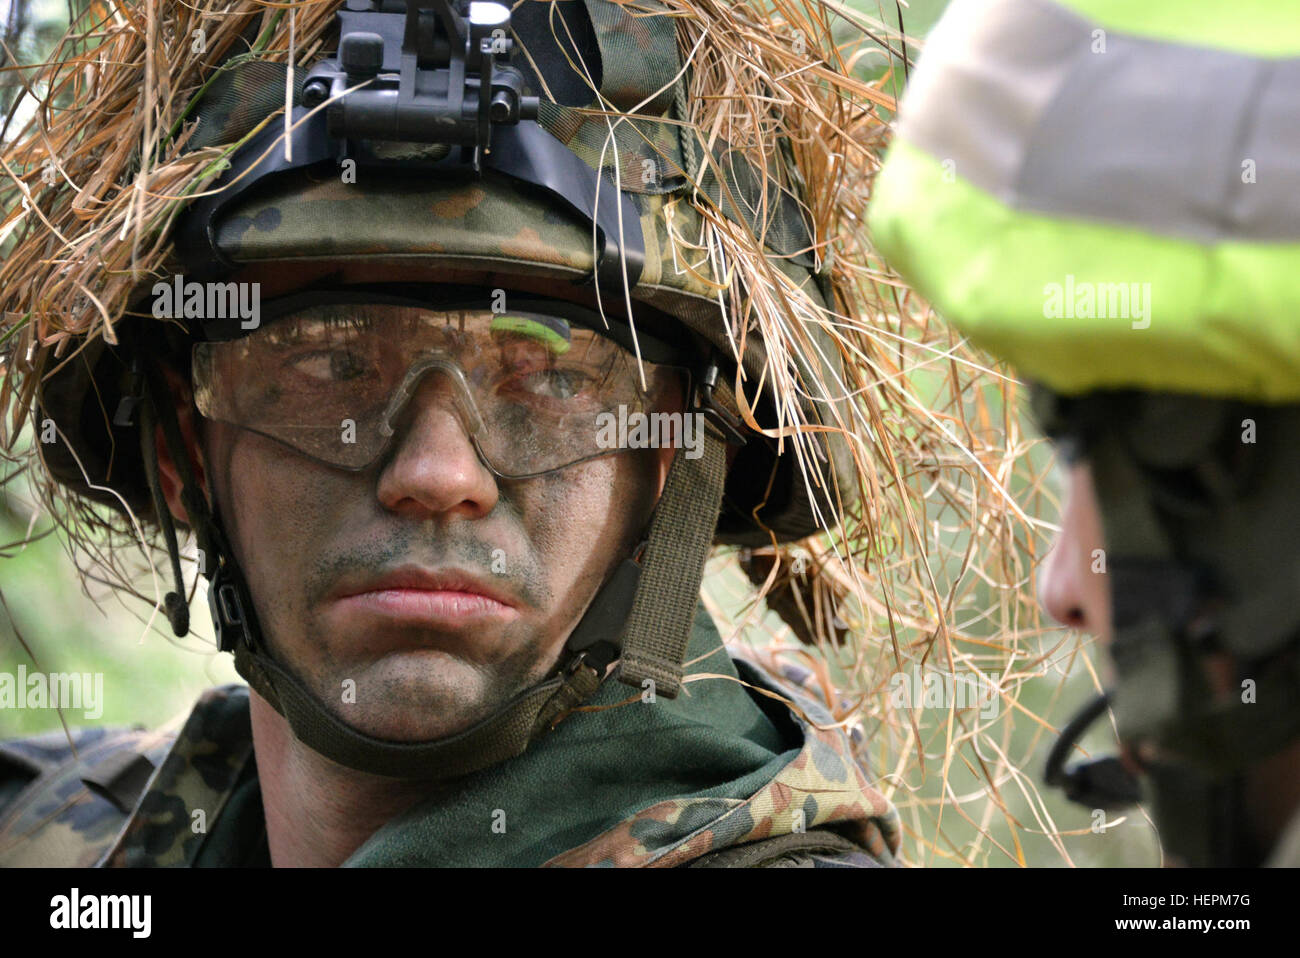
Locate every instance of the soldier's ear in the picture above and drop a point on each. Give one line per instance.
(169, 477)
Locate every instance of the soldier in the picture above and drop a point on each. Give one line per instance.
(368, 371)
(1106, 195)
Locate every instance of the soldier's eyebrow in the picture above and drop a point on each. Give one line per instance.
(320, 322)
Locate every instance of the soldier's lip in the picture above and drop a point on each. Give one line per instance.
(446, 597)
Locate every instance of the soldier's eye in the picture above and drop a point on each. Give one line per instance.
(327, 366)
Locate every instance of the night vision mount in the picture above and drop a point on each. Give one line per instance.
(434, 71)
(433, 74)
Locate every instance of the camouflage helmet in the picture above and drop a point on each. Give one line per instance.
(403, 225)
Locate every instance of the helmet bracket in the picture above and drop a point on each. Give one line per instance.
(428, 71)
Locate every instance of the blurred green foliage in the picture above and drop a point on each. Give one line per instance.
(149, 675)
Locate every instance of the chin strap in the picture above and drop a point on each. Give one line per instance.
(681, 534)
(502, 735)
(643, 614)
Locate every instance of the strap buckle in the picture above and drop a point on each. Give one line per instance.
(597, 658)
(228, 618)
(731, 427)
(125, 414)
(597, 640)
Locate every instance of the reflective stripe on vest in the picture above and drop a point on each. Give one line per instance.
(1051, 114)
(1103, 209)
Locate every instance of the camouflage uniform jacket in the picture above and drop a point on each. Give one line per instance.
(722, 776)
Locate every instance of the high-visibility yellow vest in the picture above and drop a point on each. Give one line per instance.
(1107, 193)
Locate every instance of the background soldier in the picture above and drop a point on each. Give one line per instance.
(1107, 196)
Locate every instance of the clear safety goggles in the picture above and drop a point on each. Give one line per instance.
(536, 388)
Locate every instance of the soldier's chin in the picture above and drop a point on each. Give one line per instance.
(414, 696)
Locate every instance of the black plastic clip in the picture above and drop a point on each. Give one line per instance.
(125, 413)
(731, 427)
(228, 619)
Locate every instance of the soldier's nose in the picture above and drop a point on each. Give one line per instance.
(434, 467)
(1059, 586)
(1072, 584)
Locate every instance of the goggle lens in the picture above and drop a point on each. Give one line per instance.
(533, 391)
